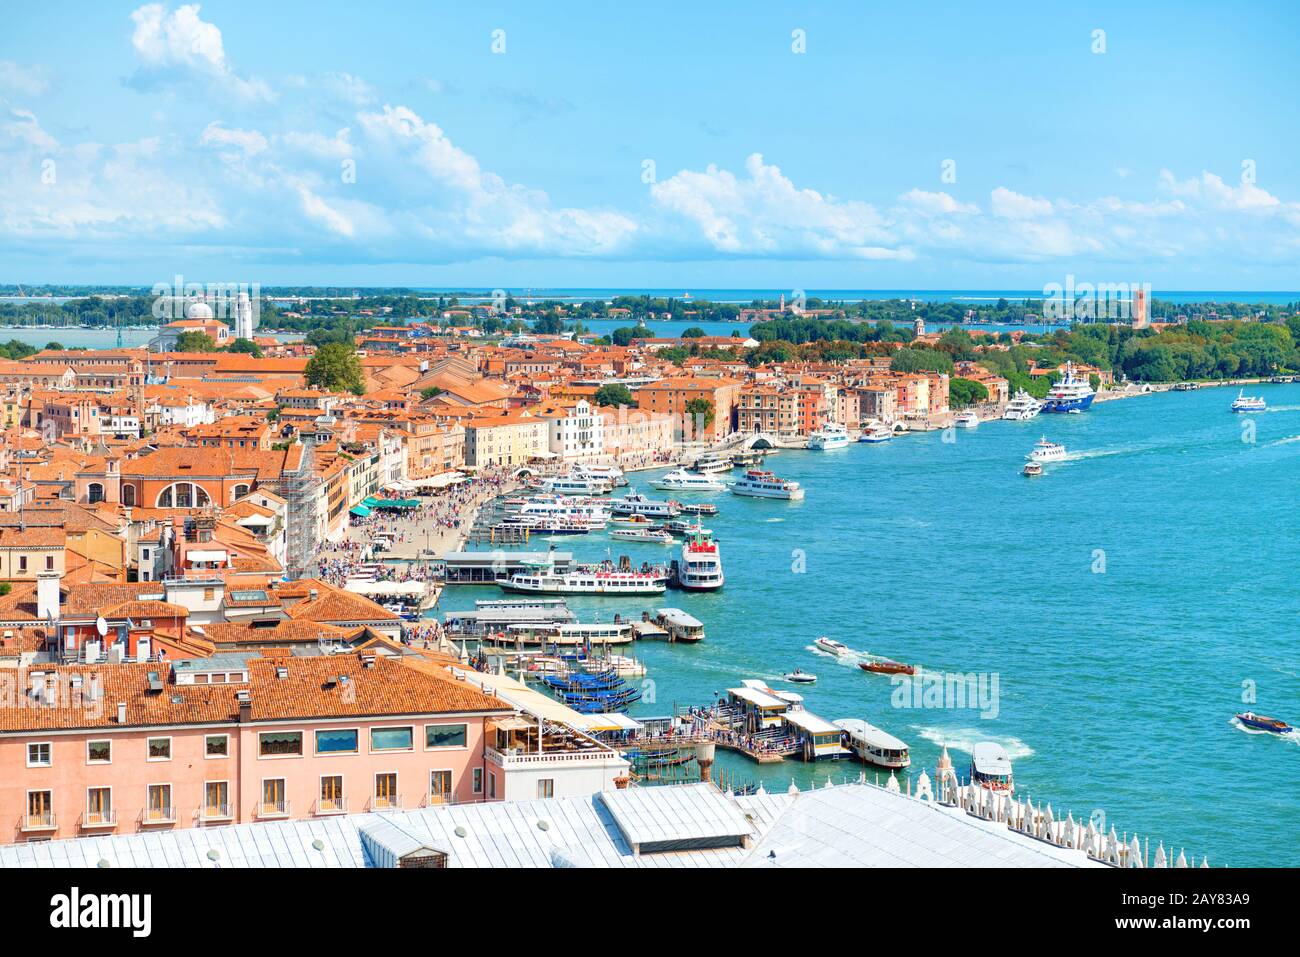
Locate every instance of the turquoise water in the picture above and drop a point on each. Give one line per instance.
(1116, 687)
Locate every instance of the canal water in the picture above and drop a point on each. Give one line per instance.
(1127, 604)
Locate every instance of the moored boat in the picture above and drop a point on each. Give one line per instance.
(636, 504)
(1262, 722)
(700, 565)
(1071, 394)
(1022, 406)
(707, 462)
(872, 745)
(757, 483)
(653, 534)
(966, 420)
(832, 435)
(680, 480)
(700, 508)
(603, 579)
(876, 432)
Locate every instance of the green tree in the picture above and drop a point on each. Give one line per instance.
(195, 342)
(700, 411)
(54, 346)
(247, 347)
(614, 394)
(430, 392)
(694, 332)
(964, 392)
(335, 368)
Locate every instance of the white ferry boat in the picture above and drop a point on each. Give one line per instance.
(966, 420)
(757, 483)
(607, 473)
(1046, 451)
(1248, 403)
(707, 462)
(590, 512)
(700, 567)
(1071, 394)
(680, 480)
(653, 534)
(872, 745)
(574, 485)
(990, 767)
(1022, 406)
(832, 435)
(635, 504)
(603, 579)
(876, 432)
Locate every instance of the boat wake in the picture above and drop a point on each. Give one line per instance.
(1097, 454)
(1284, 441)
(848, 660)
(1278, 408)
(965, 739)
(1291, 738)
(774, 519)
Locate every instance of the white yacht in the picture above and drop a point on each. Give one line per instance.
(590, 512)
(608, 473)
(635, 504)
(1022, 406)
(700, 567)
(757, 483)
(680, 480)
(654, 534)
(603, 579)
(832, 435)
(872, 745)
(876, 432)
(966, 420)
(831, 646)
(1071, 394)
(573, 484)
(1046, 451)
(1248, 403)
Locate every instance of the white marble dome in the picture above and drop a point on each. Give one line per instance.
(198, 310)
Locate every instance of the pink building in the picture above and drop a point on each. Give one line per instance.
(126, 748)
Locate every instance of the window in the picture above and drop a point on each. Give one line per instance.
(158, 804)
(99, 805)
(546, 787)
(273, 799)
(331, 794)
(216, 746)
(386, 790)
(159, 749)
(337, 741)
(439, 787)
(444, 735)
(279, 744)
(391, 739)
(22, 563)
(492, 785)
(38, 755)
(216, 799)
(99, 752)
(40, 809)
(476, 781)
(49, 563)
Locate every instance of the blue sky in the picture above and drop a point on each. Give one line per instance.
(657, 145)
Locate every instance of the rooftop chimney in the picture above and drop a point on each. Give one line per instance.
(47, 596)
(121, 712)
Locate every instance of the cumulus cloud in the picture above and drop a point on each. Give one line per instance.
(1012, 205)
(24, 81)
(936, 204)
(179, 45)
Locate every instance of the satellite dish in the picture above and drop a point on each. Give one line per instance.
(101, 626)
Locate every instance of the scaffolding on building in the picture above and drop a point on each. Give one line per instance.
(300, 489)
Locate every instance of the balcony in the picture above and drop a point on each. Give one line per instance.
(44, 821)
(98, 820)
(325, 807)
(272, 810)
(213, 814)
(154, 816)
(386, 803)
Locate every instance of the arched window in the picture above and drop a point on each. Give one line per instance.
(95, 493)
(128, 494)
(182, 495)
(240, 491)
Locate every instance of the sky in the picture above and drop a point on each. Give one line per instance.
(692, 145)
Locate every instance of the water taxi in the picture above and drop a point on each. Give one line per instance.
(700, 565)
(680, 480)
(1248, 403)
(574, 485)
(679, 626)
(799, 677)
(876, 432)
(886, 666)
(603, 579)
(707, 462)
(636, 504)
(757, 483)
(1264, 723)
(653, 534)
(604, 473)
(966, 420)
(872, 745)
(1071, 394)
(701, 508)
(632, 521)
(832, 435)
(831, 646)
(684, 526)
(1046, 451)
(1021, 407)
(1031, 470)
(990, 767)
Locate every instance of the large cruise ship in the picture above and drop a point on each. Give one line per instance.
(760, 484)
(1071, 394)
(832, 435)
(1022, 406)
(700, 568)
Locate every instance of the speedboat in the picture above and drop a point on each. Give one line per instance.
(831, 646)
(990, 767)
(653, 534)
(757, 483)
(800, 677)
(1070, 394)
(966, 420)
(1248, 403)
(1022, 406)
(886, 666)
(876, 432)
(1031, 470)
(1046, 451)
(680, 480)
(832, 435)
(1264, 723)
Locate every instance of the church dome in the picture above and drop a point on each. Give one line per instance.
(198, 310)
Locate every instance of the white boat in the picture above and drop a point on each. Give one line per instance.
(700, 565)
(637, 504)
(680, 480)
(1046, 451)
(631, 521)
(591, 512)
(757, 483)
(966, 420)
(686, 526)
(990, 767)
(707, 462)
(876, 432)
(832, 435)
(653, 534)
(603, 579)
(800, 677)
(872, 745)
(611, 474)
(831, 646)
(1248, 403)
(574, 485)
(1022, 406)
(1071, 394)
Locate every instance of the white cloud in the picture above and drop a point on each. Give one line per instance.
(235, 144)
(1013, 205)
(18, 80)
(936, 204)
(181, 44)
(1216, 192)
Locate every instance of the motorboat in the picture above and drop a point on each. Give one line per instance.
(832, 435)
(966, 420)
(1046, 451)
(632, 521)
(1021, 407)
(1264, 723)
(757, 483)
(574, 485)
(653, 534)
(872, 745)
(1248, 403)
(1072, 393)
(831, 646)
(680, 480)
(708, 462)
(990, 768)
(637, 504)
(876, 432)
(1031, 470)
(683, 526)
(800, 677)
(611, 474)
(886, 666)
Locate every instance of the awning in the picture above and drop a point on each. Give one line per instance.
(396, 503)
(366, 586)
(546, 455)
(613, 721)
(441, 481)
(513, 723)
(360, 511)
